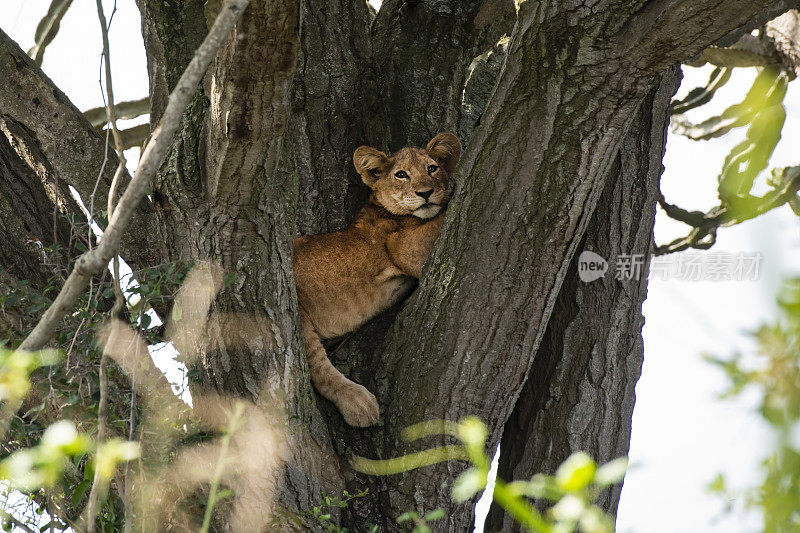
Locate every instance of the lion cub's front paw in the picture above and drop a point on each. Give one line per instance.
(358, 405)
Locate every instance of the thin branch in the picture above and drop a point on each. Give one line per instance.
(703, 234)
(47, 29)
(97, 484)
(95, 260)
(22, 525)
(123, 111)
(701, 95)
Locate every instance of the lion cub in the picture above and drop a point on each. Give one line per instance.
(346, 277)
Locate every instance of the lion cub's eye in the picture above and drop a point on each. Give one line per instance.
(401, 174)
(432, 169)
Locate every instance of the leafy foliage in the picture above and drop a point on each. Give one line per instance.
(776, 380)
(762, 112)
(571, 492)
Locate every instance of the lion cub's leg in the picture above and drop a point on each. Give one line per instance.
(357, 405)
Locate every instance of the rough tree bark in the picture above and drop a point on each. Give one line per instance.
(579, 394)
(69, 145)
(264, 151)
(499, 264)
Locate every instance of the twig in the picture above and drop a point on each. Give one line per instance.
(705, 225)
(98, 485)
(96, 259)
(22, 525)
(112, 121)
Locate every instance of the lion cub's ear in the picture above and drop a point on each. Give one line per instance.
(445, 149)
(370, 163)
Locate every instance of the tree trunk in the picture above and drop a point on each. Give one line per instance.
(499, 265)
(264, 151)
(579, 394)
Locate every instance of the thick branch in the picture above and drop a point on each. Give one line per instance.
(172, 31)
(247, 115)
(664, 32)
(70, 144)
(328, 119)
(95, 260)
(421, 74)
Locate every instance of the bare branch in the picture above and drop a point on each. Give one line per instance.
(123, 110)
(768, 89)
(95, 260)
(701, 95)
(48, 28)
(22, 525)
(98, 486)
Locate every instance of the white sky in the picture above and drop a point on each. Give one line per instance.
(682, 435)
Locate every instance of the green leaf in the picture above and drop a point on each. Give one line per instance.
(718, 485)
(468, 484)
(436, 514)
(405, 517)
(576, 472)
(11, 299)
(79, 491)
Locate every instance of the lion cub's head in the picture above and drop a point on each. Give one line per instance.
(413, 181)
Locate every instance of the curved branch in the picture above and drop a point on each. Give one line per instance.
(47, 29)
(123, 111)
(705, 225)
(701, 95)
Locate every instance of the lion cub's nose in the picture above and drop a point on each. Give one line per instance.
(425, 194)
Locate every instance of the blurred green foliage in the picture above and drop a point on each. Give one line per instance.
(570, 493)
(775, 378)
(52, 462)
(763, 114)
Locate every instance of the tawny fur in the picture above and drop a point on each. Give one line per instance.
(346, 277)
